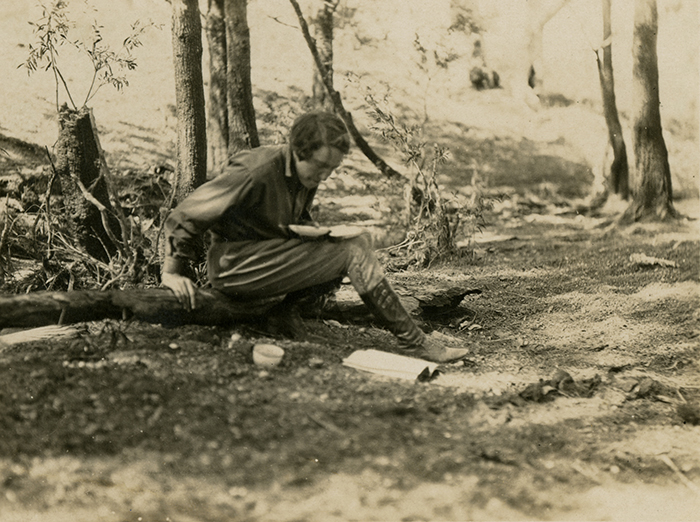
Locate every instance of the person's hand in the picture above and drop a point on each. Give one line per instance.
(183, 288)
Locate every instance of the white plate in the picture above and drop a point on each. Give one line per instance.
(346, 231)
(309, 231)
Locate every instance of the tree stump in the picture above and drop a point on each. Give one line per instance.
(79, 164)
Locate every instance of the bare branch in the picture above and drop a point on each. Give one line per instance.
(276, 19)
(362, 144)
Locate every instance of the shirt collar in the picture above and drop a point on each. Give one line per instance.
(289, 171)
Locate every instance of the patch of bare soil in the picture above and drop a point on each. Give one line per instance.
(579, 400)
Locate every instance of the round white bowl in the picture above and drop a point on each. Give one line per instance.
(267, 355)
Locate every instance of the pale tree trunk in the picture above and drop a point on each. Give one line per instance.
(189, 97)
(618, 178)
(243, 132)
(513, 42)
(539, 14)
(654, 194)
(323, 34)
(217, 118)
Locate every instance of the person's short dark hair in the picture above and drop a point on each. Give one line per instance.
(314, 130)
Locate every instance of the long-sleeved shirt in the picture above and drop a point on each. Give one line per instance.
(256, 198)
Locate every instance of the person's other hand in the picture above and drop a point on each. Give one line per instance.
(183, 288)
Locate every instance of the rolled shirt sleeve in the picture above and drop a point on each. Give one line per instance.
(198, 213)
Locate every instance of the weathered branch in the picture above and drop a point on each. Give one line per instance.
(159, 306)
(154, 305)
(362, 144)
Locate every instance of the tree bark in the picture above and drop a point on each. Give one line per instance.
(618, 180)
(217, 119)
(243, 132)
(154, 305)
(159, 305)
(323, 33)
(654, 195)
(189, 97)
(88, 210)
(362, 144)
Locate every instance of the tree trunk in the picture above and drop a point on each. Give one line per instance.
(618, 180)
(154, 305)
(653, 197)
(189, 97)
(85, 193)
(243, 132)
(217, 119)
(539, 13)
(159, 305)
(361, 143)
(323, 33)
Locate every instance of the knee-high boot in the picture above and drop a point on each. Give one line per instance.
(385, 305)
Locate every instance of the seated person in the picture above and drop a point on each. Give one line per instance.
(253, 254)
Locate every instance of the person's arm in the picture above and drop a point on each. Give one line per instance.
(189, 220)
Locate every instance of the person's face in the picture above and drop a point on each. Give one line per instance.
(319, 166)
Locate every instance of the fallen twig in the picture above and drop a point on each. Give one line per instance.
(325, 424)
(38, 334)
(690, 485)
(576, 466)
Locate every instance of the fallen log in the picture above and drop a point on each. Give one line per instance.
(153, 305)
(159, 306)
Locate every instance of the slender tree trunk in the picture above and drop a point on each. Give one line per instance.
(323, 33)
(362, 144)
(653, 197)
(618, 180)
(243, 132)
(217, 118)
(189, 97)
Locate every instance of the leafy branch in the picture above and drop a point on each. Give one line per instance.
(103, 58)
(430, 228)
(433, 220)
(52, 31)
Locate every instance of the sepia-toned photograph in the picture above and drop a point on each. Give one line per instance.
(349, 260)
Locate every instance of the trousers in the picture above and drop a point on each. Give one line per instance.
(275, 267)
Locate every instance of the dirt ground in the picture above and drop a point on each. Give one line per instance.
(137, 422)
